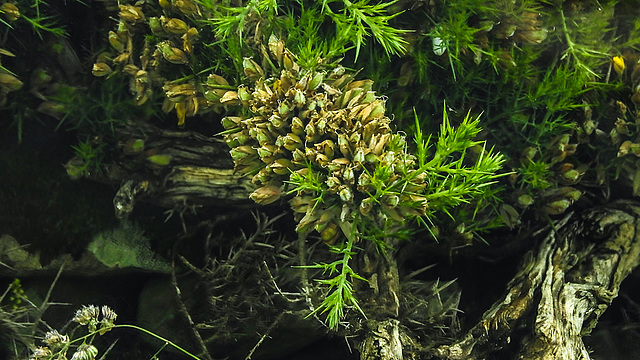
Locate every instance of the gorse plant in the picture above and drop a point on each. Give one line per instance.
(300, 124)
(323, 137)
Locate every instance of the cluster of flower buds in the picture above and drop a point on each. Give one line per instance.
(328, 129)
(144, 65)
(58, 344)
(88, 315)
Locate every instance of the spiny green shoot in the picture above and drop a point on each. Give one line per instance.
(358, 20)
(452, 180)
(584, 38)
(340, 287)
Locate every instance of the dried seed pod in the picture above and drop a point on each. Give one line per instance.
(301, 204)
(192, 104)
(388, 212)
(292, 142)
(243, 93)
(390, 200)
(187, 7)
(366, 205)
(251, 69)
(10, 11)
(524, 200)
(237, 138)
(350, 96)
(130, 69)
(174, 26)
(346, 194)
(99, 69)
(373, 111)
(268, 153)
(281, 166)
(131, 14)
(188, 39)
(344, 145)
(266, 194)
(326, 147)
(330, 233)
(509, 215)
(172, 54)
(155, 24)
(365, 84)
(52, 108)
(276, 47)
(315, 81)
(179, 92)
(230, 98)
(118, 40)
(264, 137)
(557, 207)
(242, 152)
(289, 63)
(10, 82)
(231, 122)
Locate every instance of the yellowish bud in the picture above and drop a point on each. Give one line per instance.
(618, 64)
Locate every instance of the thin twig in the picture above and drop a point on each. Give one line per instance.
(183, 309)
(264, 336)
(275, 285)
(45, 303)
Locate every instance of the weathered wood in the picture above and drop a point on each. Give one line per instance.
(380, 297)
(561, 289)
(199, 170)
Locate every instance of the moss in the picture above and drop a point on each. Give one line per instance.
(126, 246)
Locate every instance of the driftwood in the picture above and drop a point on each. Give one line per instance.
(199, 171)
(561, 289)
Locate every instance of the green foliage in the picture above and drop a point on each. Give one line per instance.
(126, 246)
(453, 178)
(536, 174)
(37, 14)
(305, 24)
(99, 109)
(585, 37)
(358, 20)
(452, 36)
(340, 282)
(90, 159)
(306, 37)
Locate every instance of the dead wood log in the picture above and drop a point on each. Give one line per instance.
(195, 170)
(561, 288)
